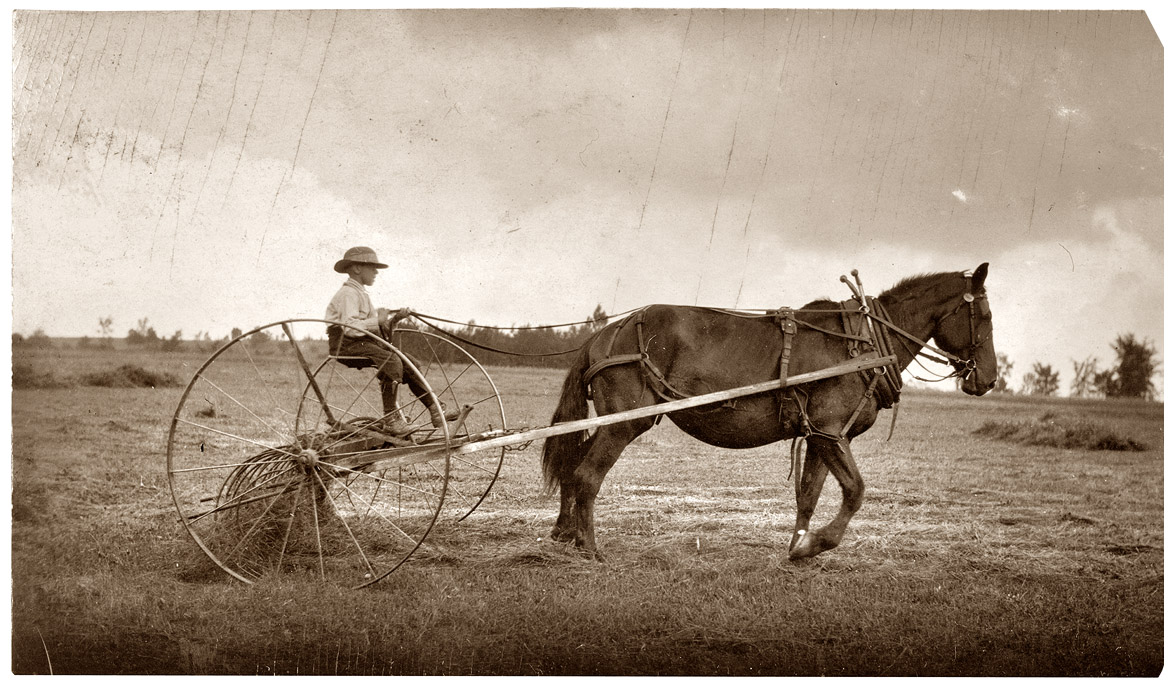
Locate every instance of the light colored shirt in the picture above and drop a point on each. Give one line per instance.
(352, 306)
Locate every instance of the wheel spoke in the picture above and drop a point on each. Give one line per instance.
(246, 408)
(230, 436)
(351, 535)
(384, 518)
(293, 512)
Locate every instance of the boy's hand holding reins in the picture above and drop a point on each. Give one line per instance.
(388, 319)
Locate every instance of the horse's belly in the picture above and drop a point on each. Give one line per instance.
(737, 424)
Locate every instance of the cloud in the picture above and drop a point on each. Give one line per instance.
(183, 249)
(1061, 302)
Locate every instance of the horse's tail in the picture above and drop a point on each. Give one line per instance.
(562, 454)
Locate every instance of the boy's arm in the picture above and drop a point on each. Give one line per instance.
(346, 311)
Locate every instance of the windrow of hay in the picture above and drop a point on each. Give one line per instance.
(128, 375)
(1051, 430)
(25, 376)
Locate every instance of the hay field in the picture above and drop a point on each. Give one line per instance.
(970, 556)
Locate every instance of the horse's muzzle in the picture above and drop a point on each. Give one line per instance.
(973, 387)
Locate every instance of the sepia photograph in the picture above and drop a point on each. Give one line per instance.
(588, 341)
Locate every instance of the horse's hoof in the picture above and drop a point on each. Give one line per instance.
(805, 547)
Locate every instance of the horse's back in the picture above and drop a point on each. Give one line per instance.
(692, 351)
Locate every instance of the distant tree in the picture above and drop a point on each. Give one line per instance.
(17, 339)
(598, 317)
(173, 343)
(1041, 381)
(1137, 361)
(1004, 366)
(39, 339)
(261, 341)
(236, 332)
(204, 342)
(1103, 383)
(142, 334)
(1083, 378)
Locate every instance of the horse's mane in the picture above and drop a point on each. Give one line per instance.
(913, 286)
(908, 288)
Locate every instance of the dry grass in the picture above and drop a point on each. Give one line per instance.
(970, 556)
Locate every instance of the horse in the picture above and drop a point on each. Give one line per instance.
(665, 352)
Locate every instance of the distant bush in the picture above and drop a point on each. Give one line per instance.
(1063, 433)
(36, 340)
(25, 376)
(130, 376)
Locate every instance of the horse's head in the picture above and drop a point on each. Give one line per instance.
(965, 332)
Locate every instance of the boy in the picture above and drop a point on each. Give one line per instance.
(352, 306)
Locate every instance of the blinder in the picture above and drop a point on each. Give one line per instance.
(979, 310)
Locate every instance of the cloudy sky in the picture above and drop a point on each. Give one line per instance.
(204, 170)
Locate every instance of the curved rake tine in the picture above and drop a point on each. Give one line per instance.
(256, 522)
(237, 501)
(384, 480)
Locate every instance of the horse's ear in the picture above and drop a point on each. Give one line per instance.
(976, 281)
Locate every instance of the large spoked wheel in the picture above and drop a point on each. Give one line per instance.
(272, 473)
(460, 382)
(470, 400)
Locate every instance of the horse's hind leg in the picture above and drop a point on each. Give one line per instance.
(564, 525)
(605, 450)
(837, 456)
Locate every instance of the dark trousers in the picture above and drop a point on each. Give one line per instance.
(389, 367)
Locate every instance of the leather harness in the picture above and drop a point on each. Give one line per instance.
(863, 337)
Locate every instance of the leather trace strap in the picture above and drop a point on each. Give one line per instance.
(787, 325)
(662, 387)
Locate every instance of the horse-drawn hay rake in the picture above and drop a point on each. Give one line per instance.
(277, 461)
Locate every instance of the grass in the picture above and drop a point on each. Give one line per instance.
(970, 556)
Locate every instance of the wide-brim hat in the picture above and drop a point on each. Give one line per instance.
(358, 254)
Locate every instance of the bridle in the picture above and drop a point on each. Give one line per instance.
(977, 306)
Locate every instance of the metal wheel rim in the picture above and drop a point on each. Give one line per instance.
(286, 477)
(483, 472)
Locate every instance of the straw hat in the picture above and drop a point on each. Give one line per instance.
(358, 254)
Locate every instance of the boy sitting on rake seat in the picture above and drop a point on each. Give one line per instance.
(351, 306)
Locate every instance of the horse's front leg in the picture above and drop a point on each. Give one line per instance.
(811, 480)
(837, 456)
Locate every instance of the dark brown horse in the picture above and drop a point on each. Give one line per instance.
(669, 352)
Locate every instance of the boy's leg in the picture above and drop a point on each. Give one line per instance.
(389, 370)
